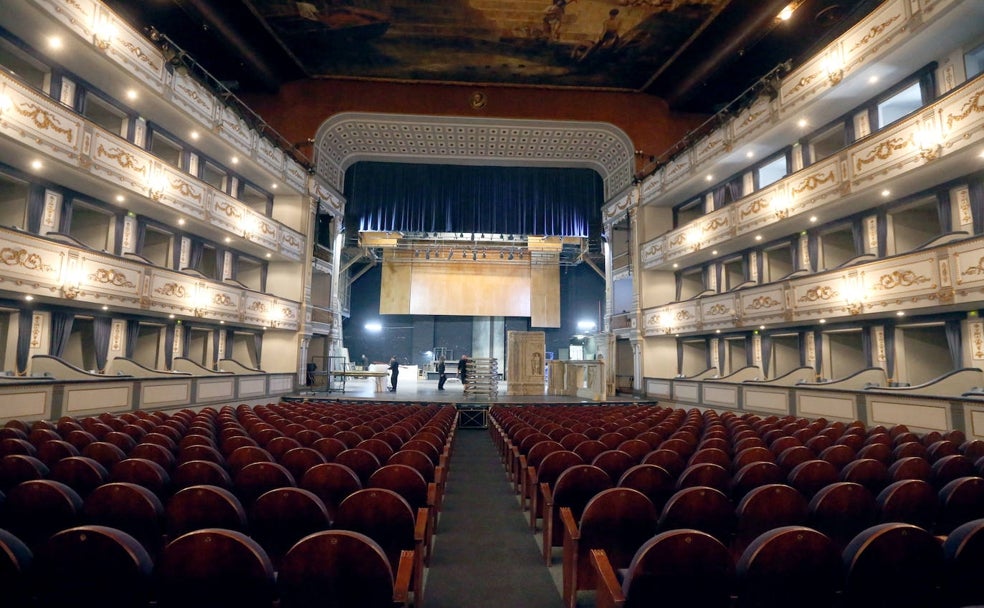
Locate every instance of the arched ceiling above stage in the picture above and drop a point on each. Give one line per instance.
(347, 138)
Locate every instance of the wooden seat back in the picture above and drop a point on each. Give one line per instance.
(893, 564)
(788, 566)
(199, 507)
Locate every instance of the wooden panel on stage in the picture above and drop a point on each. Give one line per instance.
(394, 291)
(545, 295)
(470, 288)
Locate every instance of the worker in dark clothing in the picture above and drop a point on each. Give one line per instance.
(442, 376)
(394, 367)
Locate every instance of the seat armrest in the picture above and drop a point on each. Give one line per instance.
(570, 526)
(404, 574)
(609, 591)
(420, 530)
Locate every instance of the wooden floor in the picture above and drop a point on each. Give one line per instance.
(425, 391)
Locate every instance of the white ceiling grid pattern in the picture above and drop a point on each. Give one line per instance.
(348, 138)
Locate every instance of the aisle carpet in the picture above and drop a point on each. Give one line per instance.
(485, 554)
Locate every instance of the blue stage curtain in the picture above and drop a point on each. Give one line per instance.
(195, 253)
(722, 352)
(766, 354)
(100, 337)
(818, 352)
(132, 334)
(857, 235)
(215, 348)
(749, 351)
(954, 340)
(813, 249)
(61, 329)
(471, 199)
(866, 346)
(258, 345)
(65, 223)
(24, 321)
(976, 191)
(881, 229)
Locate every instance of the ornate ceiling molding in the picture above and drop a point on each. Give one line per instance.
(349, 137)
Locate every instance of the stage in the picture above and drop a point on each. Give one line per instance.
(425, 391)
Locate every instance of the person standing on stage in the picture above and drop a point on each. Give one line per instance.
(442, 376)
(463, 369)
(394, 367)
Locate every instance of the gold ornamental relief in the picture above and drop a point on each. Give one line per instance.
(222, 299)
(972, 106)
(229, 209)
(42, 119)
(289, 239)
(805, 81)
(123, 158)
(258, 306)
(764, 302)
(750, 118)
(714, 224)
(811, 183)
(138, 52)
(108, 276)
(266, 229)
(679, 239)
(193, 95)
(185, 189)
(717, 309)
(899, 278)
(824, 292)
(172, 290)
(975, 269)
(875, 31)
(683, 315)
(883, 151)
(21, 257)
(287, 313)
(755, 207)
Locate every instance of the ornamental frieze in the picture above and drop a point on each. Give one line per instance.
(764, 302)
(714, 224)
(291, 240)
(718, 309)
(679, 239)
(222, 299)
(875, 31)
(21, 257)
(804, 82)
(683, 315)
(258, 306)
(185, 189)
(192, 94)
(108, 276)
(974, 270)
(42, 119)
(138, 52)
(750, 118)
(172, 290)
(883, 151)
(229, 209)
(899, 278)
(123, 158)
(824, 292)
(971, 106)
(811, 183)
(756, 206)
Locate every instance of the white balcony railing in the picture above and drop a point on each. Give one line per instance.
(48, 269)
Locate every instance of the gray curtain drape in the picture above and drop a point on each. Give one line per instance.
(813, 249)
(954, 340)
(169, 346)
(976, 189)
(818, 353)
(881, 230)
(215, 348)
(679, 286)
(857, 235)
(24, 320)
(141, 236)
(101, 327)
(132, 334)
(707, 353)
(195, 254)
(258, 345)
(890, 351)
(66, 216)
(866, 346)
(61, 329)
(801, 337)
(749, 351)
(679, 345)
(796, 254)
(766, 354)
(722, 351)
(944, 211)
(35, 208)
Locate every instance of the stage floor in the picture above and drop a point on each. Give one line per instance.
(425, 391)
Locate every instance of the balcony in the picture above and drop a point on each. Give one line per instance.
(43, 269)
(940, 142)
(950, 275)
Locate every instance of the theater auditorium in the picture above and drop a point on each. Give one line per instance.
(467, 304)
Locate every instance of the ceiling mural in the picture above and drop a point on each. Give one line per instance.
(617, 44)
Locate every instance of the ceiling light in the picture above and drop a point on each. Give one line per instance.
(35, 164)
(374, 326)
(228, 239)
(714, 252)
(675, 265)
(802, 123)
(886, 192)
(900, 313)
(813, 219)
(822, 321)
(269, 255)
(105, 307)
(708, 177)
(181, 221)
(273, 186)
(194, 135)
(717, 331)
(55, 42)
(221, 322)
(235, 160)
(120, 198)
(29, 298)
(786, 13)
(758, 237)
(761, 326)
(749, 154)
(171, 316)
(131, 94)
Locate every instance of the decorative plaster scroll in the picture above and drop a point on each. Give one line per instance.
(816, 294)
(899, 278)
(977, 340)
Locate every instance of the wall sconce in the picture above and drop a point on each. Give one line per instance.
(693, 238)
(103, 34)
(854, 298)
(833, 67)
(780, 206)
(250, 226)
(156, 185)
(200, 301)
(72, 279)
(930, 144)
(6, 103)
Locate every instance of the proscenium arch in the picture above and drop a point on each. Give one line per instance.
(350, 137)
